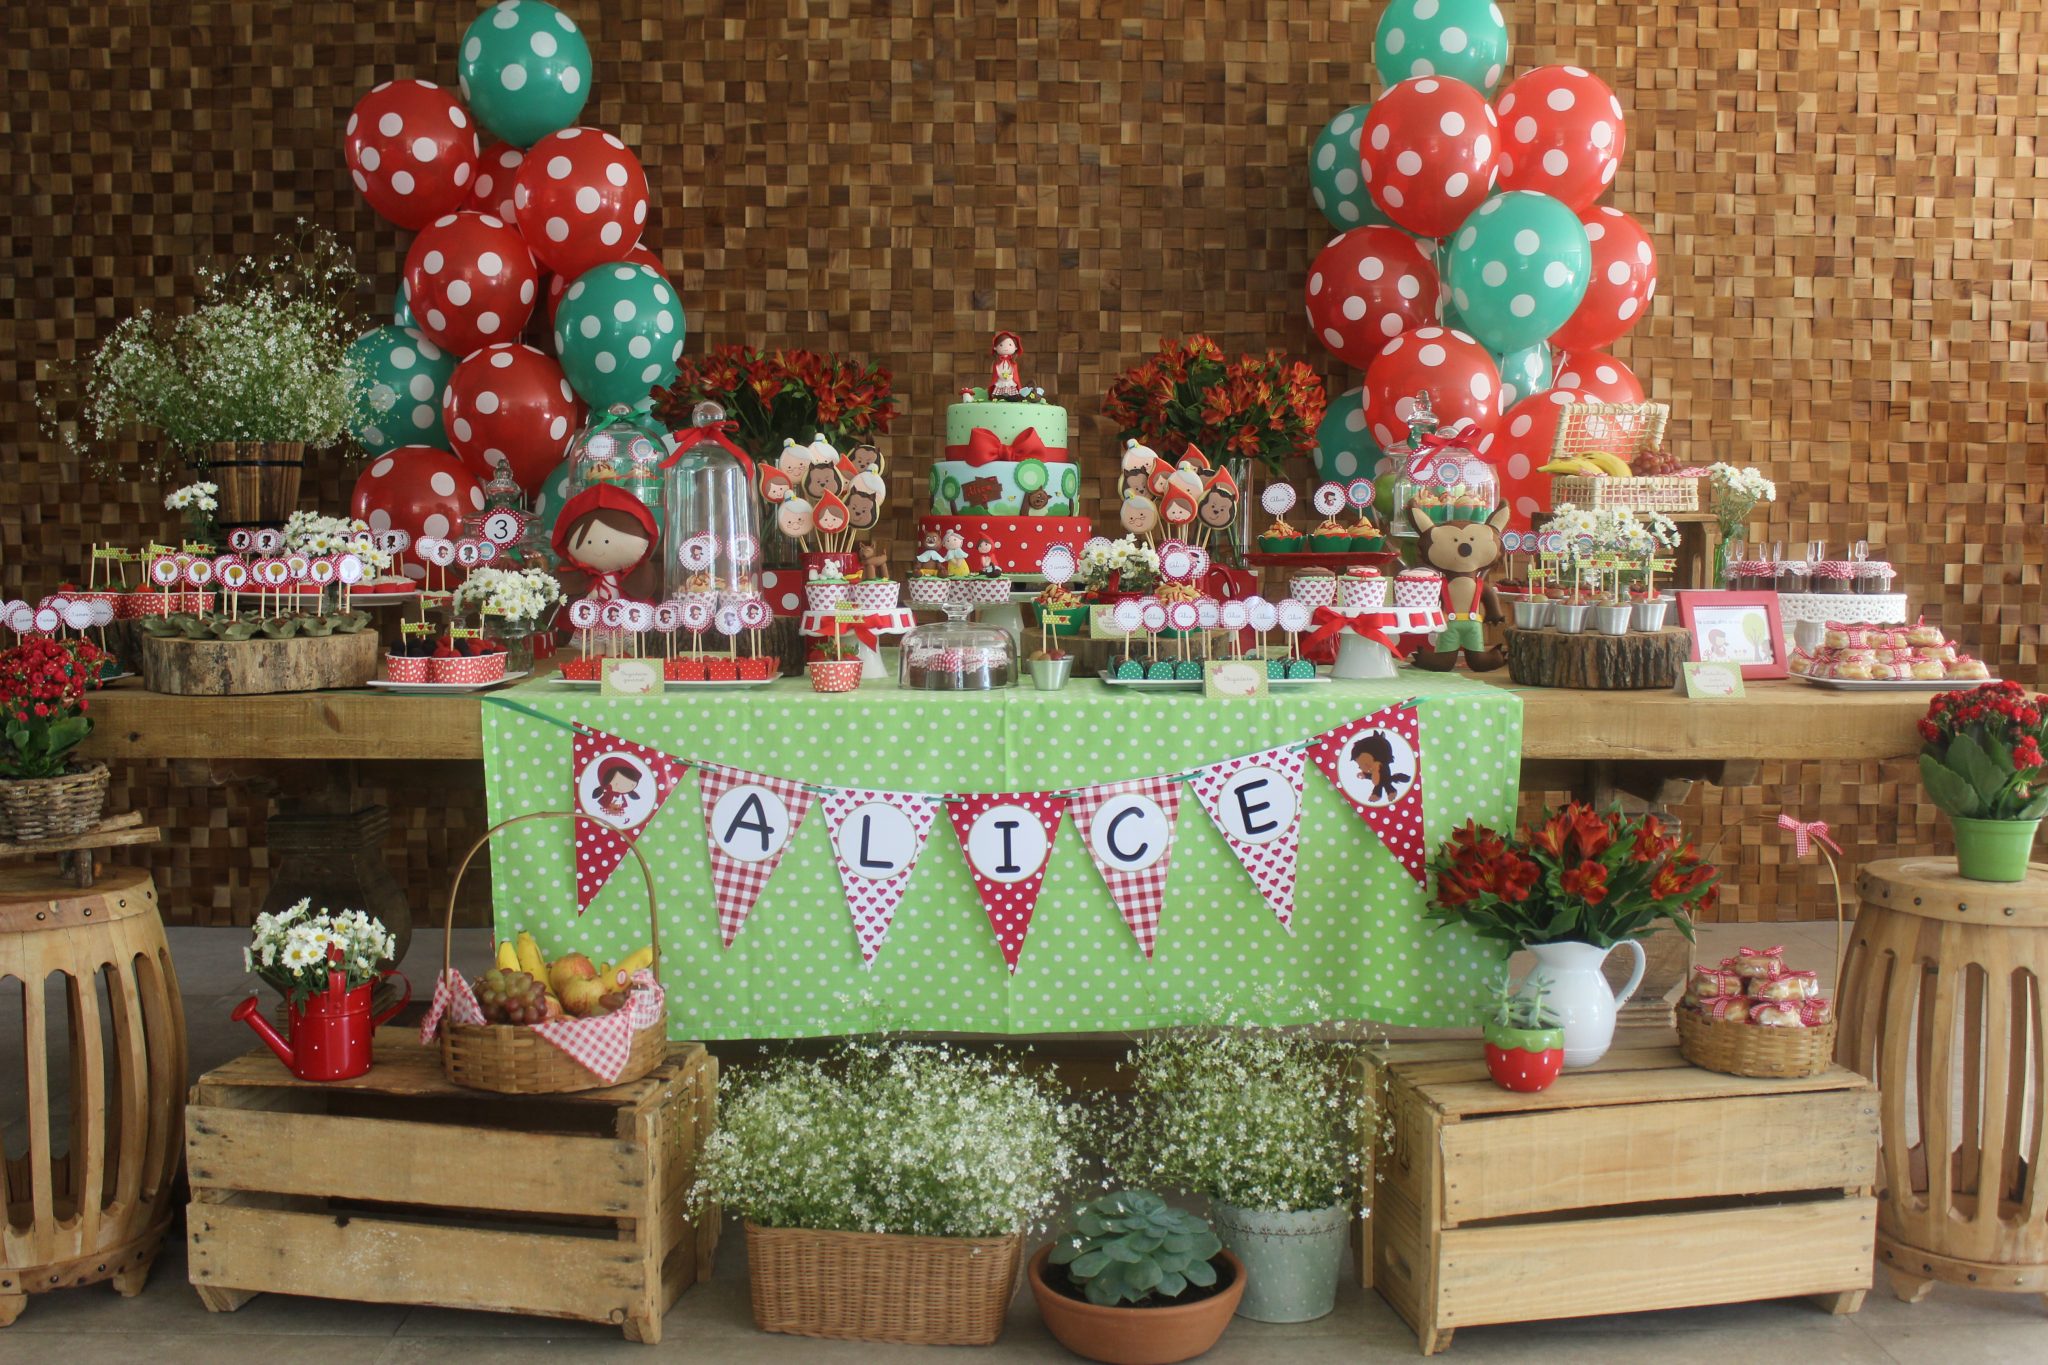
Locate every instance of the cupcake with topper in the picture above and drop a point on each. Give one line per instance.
(1281, 538)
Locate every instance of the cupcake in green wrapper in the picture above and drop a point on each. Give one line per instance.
(1331, 537)
(1282, 539)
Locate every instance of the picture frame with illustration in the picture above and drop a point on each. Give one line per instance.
(1742, 628)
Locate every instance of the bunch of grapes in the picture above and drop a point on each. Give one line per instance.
(511, 998)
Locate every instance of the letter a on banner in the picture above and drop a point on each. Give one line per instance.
(617, 786)
(1256, 803)
(1007, 837)
(1375, 763)
(749, 821)
(1128, 827)
(877, 838)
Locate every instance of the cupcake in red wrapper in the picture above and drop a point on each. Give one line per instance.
(759, 667)
(721, 670)
(405, 668)
(1362, 589)
(834, 675)
(1418, 588)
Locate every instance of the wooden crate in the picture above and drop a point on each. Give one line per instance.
(398, 1187)
(1640, 1183)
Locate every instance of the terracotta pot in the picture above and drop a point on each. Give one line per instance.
(1135, 1336)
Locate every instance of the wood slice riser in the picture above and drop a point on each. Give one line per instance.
(240, 668)
(1638, 661)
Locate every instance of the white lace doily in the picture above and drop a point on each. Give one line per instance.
(1857, 608)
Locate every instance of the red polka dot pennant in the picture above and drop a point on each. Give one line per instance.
(1255, 802)
(1007, 837)
(877, 838)
(750, 820)
(617, 786)
(1375, 763)
(1128, 828)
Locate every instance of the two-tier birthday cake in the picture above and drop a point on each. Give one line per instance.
(1007, 476)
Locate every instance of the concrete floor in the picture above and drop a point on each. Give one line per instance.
(166, 1325)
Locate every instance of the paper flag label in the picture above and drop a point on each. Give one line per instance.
(750, 820)
(1007, 838)
(877, 838)
(618, 787)
(1256, 804)
(1128, 827)
(1375, 763)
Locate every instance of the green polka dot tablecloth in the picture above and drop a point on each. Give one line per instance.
(1360, 948)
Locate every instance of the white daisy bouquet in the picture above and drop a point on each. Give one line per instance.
(517, 595)
(312, 533)
(1134, 565)
(1734, 492)
(295, 949)
(193, 497)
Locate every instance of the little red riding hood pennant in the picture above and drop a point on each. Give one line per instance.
(1256, 803)
(1007, 837)
(1128, 828)
(750, 820)
(877, 838)
(1375, 763)
(616, 786)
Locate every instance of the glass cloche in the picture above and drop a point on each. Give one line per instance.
(1441, 476)
(957, 654)
(713, 537)
(623, 448)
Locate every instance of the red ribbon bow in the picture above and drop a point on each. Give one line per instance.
(862, 628)
(1804, 832)
(1430, 444)
(715, 432)
(985, 447)
(1329, 624)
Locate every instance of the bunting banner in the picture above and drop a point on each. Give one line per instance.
(750, 820)
(616, 786)
(877, 838)
(1256, 804)
(1128, 828)
(1375, 763)
(1007, 838)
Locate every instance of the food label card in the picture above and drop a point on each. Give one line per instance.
(1711, 681)
(631, 678)
(1234, 679)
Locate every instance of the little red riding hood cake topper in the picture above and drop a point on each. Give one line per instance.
(606, 533)
(1005, 380)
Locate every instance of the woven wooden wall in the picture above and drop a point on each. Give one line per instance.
(1848, 201)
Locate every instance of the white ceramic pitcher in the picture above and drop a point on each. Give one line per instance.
(1578, 992)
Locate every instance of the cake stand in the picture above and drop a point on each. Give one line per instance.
(897, 621)
(1362, 650)
(1807, 614)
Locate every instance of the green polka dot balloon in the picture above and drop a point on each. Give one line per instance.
(619, 332)
(1463, 39)
(1518, 268)
(1524, 372)
(401, 313)
(1344, 447)
(525, 70)
(395, 381)
(1333, 176)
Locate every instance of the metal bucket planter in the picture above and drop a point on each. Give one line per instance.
(1290, 1259)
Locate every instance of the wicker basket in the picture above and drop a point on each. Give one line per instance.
(866, 1286)
(1651, 493)
(33, 808)
(1736, 1048)
(1625, 430)
(513, 1060)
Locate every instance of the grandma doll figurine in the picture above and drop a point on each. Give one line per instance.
(1005, 379)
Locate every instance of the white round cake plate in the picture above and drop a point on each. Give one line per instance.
(900, 622)
(1360, 658)
(1806, 614)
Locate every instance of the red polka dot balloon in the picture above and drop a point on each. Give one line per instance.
(1367, 287)
(1519, 442)
(582, 200)
(1561, 133)
(411, 150)
(1599, 374)
(471, 281)
(1622, 282)
(511, 403)
(1430, 153)
(496, 170)
(1455, 371)
(419, 490)
(641, 254)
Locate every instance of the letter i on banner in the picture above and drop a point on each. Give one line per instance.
(1256, 804)
(1128, 827)
(877, 838)
(1375, 763)
(617, 786)
(749, 821)
(1007, 837)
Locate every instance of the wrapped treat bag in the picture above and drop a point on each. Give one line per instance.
(1751, 963)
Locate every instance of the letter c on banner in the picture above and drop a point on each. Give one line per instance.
(1131, 832)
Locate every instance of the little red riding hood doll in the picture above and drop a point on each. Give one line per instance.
(607, 533)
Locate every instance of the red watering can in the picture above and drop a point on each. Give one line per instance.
(330, 1033)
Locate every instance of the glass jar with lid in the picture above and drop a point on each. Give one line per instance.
(1441, 475)
(712, 536)
(958, 654)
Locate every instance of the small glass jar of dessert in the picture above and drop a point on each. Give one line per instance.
(1795, 575)
(1833, 576)
(1874, 576)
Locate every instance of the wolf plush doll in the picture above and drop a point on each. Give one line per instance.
(1462, 551)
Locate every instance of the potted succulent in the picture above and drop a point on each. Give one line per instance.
(1260, 1121)
(1982, 763)
(1524, 1040)
(45, 793)
(886, 1188)
(1571, 888)
(1136, 1282)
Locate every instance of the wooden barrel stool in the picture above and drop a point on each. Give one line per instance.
(1941, 1004)
(95, 959)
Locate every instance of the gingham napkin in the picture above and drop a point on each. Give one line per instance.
(600, 1045)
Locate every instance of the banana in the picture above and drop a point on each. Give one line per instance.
(1570, 464)
(530, 959)
(1612, 465)
(508, 956)
(635, 962)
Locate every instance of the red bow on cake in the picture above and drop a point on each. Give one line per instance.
(985, 447)
(1330, 624)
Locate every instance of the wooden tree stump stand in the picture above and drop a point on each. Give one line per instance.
(241, 668)
(1638, 661)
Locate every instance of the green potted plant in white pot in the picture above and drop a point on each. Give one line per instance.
(1261, 1122)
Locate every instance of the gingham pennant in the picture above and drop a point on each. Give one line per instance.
(876, 855)
(617, 786)
(1256, 804)
(1375, 763)
(1117, 822)
(748, 839)
(1007, 897)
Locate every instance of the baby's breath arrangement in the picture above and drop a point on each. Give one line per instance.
(260, 358)
(918, 1139)
(1251, 1116)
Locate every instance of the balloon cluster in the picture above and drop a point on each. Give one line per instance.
(1473, 261)
(513, 204)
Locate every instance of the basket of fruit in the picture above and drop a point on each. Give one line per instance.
(531, 1026)
(1611, 455)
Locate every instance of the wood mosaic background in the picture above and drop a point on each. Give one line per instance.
(1849, 201)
